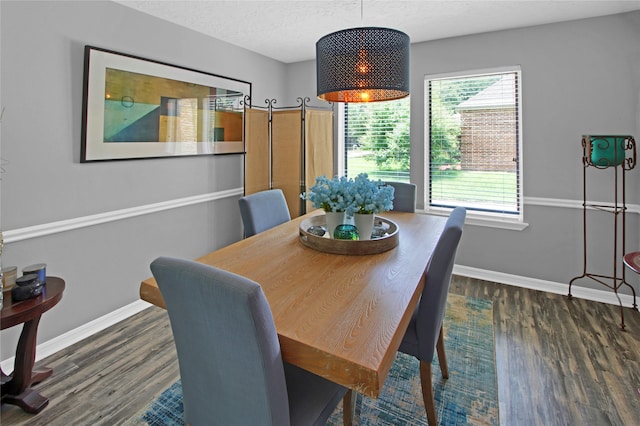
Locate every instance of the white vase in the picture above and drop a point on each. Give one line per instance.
(333, 220)
(364, 223)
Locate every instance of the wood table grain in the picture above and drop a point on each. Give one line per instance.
(339, 316)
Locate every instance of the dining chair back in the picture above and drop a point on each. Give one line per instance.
(404, 196)
(424, 334)
(263, 210)
(229, 356)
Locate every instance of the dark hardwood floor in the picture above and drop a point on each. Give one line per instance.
(559, 362)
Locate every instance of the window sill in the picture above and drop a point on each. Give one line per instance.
(481, 220)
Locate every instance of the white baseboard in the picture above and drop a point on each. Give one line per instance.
(67, 339)
(604, 296)
(56, 344)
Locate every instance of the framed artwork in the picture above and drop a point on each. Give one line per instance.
(139, 108)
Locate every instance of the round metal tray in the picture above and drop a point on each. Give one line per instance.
(351, 247)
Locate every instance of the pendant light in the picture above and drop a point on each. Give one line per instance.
(365, 64)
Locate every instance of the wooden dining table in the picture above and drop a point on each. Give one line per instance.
(339, 316)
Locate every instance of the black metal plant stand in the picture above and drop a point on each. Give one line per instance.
(602, 152)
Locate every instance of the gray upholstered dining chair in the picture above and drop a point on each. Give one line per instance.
(263, 210)
(404, 196)
(229, 355)
(425, 332)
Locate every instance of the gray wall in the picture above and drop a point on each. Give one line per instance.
(41, 86)
(579, 77)
(565, 67)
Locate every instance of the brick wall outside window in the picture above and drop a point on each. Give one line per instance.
(488, 139)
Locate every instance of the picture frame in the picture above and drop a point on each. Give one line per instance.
(135, 108)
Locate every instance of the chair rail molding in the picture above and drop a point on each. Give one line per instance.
(573, 204)
(21, 234)
(502, 223)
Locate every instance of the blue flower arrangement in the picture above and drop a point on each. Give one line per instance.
(330, 195)
(370, 197)
(359, 195)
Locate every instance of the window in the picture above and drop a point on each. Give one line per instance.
(375, 138)
(473, 134)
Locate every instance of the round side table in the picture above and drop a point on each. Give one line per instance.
(632, 260)
(16, 387)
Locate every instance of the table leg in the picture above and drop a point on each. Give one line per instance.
(30, 401)
(40, 374)
(16, 387)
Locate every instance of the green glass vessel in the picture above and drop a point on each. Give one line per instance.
(345, 232)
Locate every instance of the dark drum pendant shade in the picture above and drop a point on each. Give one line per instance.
(365, 64)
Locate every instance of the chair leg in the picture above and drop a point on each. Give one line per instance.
(427, 393)
(442, 356)
(349, 407)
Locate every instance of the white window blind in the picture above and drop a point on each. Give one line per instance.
(376, 139)
(473, 134)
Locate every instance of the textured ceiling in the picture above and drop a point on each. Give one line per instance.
(288, 30)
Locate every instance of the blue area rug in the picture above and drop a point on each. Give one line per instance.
(469, 396)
